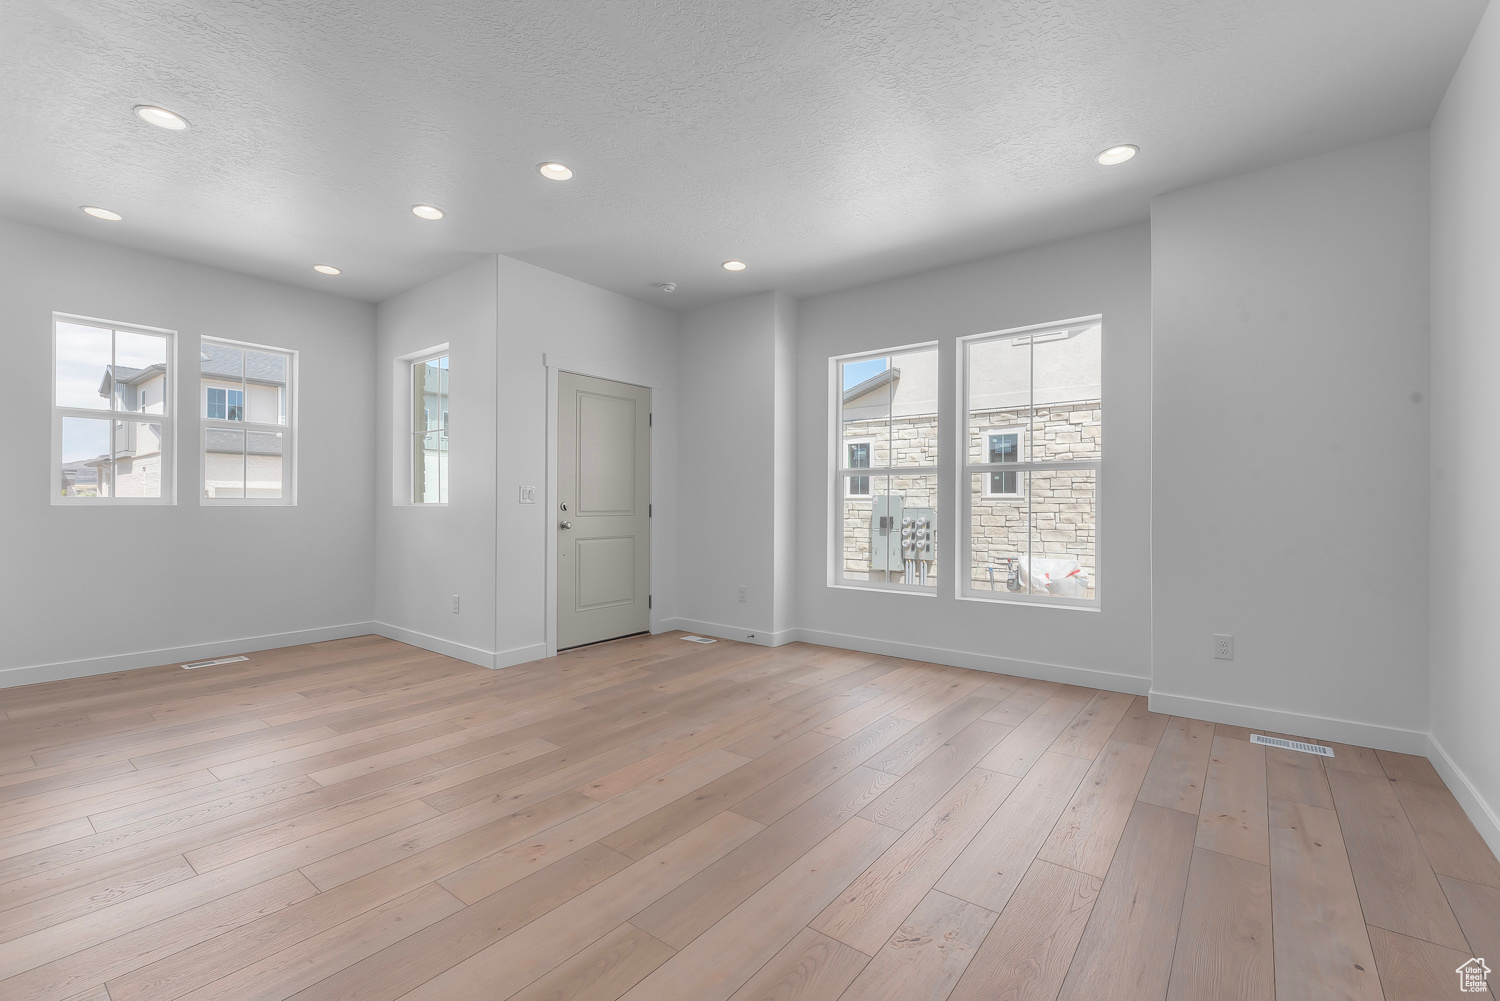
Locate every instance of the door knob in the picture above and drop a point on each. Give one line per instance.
(566, 524)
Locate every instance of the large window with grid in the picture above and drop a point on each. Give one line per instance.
(112, 433)
(429, 433)
(1032, 418)
(247, 423)
(885, 519)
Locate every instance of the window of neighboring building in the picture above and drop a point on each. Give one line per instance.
(1003, 445)
(247, 433)
(429, 433)
(857, 456)
(112, 427)
(1033, 406)
(886, 532)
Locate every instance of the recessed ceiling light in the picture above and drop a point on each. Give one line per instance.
(161, 117)
(734, 265)
(556, 171)
(326, 269)
(99, 213)
(1117, 154)
(426, 211)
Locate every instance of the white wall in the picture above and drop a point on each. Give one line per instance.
(1465, 539)
(736, 445)
(580, 328)
(215, 579)
(1105, 273)
(1289, 439)
(425, 554)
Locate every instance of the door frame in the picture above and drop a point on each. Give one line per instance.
(556, 364)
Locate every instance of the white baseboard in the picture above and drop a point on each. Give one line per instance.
(1084, 676)
(493, 659)
(63, 670)
(723, 632)
(1344, 731)
(1481, 812)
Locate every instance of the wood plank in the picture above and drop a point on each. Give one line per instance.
(1322, 949)
(1232, 819)
(785, 794)
(603, 971)
(683, 914)
(1084, 737)
(1477, 908)
(1126, 950)
(1024, 745)
(811, 967)
(718, 962)
(1397, 887)
(926, 737)
(866, 914)
(1090, 827)
(1414, 970)
(1029, 949)
(1224, 942)
(927, 954)
(1175, 779)
(1447, 834)
(989, 869)
(1297, 776)
(904, 803)
(1349, 758)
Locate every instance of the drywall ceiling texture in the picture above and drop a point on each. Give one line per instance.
(828, 144)
(1289, 447)
(1465, 539)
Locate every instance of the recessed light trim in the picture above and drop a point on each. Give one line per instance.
(429, 212)
(554, 171)
(1117, 154)
(99, 213)
(734, 265)
(326, 269)
(161, 117)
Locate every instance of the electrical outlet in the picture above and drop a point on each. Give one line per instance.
(1223, 647)
(744, 593)
(455, 604)
(528, 495)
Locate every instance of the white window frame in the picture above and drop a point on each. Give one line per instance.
(1019, 430)
(837, 455)
(963, 528)
(849, 494)
(414, 436)
(167, 418)
(287, 406)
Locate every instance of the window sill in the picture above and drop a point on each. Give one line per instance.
(848, 585)
(1014, 598)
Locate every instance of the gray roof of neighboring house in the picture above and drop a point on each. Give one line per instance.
(253, 442)
(871, 384)
(256, 366)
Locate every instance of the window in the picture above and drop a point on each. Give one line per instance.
(885, 518)
(857, 456)
(112, 430)
(1003, 445)
(1032, 413)
(429, 382)
(247, 432)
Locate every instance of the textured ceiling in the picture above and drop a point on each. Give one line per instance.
(828, 144)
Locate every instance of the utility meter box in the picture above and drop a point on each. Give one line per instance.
(885, 532)
(918, 533)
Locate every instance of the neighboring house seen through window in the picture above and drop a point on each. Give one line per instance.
(429, 438)
(112, 428)
(247, 433)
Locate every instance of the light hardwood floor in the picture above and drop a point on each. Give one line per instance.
(655, 820)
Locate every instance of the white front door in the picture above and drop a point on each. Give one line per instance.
(603, 519)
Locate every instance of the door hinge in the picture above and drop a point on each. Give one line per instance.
(649, 511)
(648, 601)
(650, 420)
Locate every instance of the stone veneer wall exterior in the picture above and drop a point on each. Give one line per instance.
(1061, 503)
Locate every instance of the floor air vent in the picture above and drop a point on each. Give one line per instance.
(213, 663)
(699, 639)
(1292, 745)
